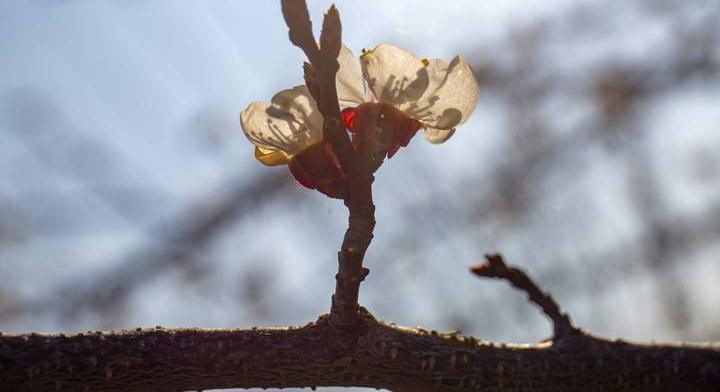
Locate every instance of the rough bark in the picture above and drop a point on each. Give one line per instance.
(321, 354)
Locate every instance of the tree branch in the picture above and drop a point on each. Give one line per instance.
(496, 268)
(358, 164)
(319, 354)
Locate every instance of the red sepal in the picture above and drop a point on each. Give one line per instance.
(317, 167)
(403, 136)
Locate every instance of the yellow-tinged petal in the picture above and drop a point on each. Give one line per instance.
(271, 157)
(290, 124)
(349, 81)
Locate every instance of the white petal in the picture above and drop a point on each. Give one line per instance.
(394, 75)
(300, 104)
(438, 94)
(438, 136)
(451, 96)
(349, 81)
(290, 124)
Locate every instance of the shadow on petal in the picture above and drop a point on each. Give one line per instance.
(449, 119)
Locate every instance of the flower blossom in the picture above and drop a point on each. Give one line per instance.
(408, 93)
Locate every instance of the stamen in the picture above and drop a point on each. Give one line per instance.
(425, 62)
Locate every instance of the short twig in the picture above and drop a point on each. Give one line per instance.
(495, 267)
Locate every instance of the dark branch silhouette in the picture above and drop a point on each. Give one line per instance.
(495, 267)
(373, 354)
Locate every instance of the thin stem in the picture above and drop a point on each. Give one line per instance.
(369, 154)
(359, 234)
(358, 164)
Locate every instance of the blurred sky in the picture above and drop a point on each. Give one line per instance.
(116, 116)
